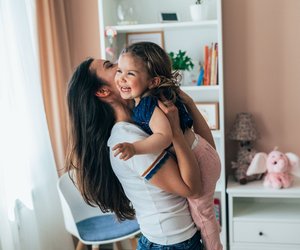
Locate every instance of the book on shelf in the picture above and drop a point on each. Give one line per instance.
(201, 75)
(206, 63)
(210, 65)
(214, 64)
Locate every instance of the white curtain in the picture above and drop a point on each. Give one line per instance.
(30, 211)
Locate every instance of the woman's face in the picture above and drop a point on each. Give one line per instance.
(106, 71)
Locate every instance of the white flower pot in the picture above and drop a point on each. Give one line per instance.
(185, 77)
(198, 12)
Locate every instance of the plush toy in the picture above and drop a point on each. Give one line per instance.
(244, 157)
(278, 167)
(244, 131)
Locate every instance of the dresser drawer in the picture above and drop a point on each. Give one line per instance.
(266, 232)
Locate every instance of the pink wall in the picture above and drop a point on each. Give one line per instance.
(83, 26)
(261, 64)
(262, 69)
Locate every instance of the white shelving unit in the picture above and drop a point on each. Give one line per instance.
(263, 218)
(185, 35)
(163, 26)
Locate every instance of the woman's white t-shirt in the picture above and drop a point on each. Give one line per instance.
(164, 218)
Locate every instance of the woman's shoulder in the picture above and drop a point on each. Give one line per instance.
(125, 131)
(127, 128)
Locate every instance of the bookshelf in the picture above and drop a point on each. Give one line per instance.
(186, 35)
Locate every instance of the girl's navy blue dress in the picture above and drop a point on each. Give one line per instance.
(142, 113)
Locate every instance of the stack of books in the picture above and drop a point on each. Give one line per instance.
(209, 69)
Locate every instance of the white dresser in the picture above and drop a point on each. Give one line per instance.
(262, 218)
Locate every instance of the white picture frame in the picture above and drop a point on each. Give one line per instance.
(154, 36)
(210, 112)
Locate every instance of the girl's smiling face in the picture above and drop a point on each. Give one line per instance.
(132, 78)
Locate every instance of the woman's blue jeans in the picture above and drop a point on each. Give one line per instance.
(193, 243)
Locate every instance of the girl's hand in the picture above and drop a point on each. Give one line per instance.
(171, 113)
(126, 150)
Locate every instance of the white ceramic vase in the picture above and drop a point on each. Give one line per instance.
(198, 12)
(182, 81)
(185, 77)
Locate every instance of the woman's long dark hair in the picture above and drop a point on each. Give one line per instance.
(91, 121)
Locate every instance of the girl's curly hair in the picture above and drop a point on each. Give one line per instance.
(158, 64)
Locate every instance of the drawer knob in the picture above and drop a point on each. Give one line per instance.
(260, 233)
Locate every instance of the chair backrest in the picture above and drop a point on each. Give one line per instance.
(74, 207)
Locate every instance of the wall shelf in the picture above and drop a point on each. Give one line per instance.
(203, 93)
(163, 26)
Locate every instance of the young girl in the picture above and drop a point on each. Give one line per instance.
(145, 75)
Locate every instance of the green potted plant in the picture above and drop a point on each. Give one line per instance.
(181, 62)
(197, 12)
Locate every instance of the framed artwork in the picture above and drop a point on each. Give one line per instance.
(155, 37)
(210, 112)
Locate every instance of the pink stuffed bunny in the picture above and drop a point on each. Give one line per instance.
(279, 168)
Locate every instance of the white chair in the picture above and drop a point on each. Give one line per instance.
(89, 224)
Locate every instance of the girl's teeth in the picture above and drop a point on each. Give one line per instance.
(125, 89)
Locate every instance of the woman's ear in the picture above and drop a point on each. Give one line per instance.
(154, 82)
(102, 92)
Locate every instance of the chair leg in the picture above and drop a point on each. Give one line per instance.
(118, 245)
(95, 247)
(80, 246)
(133, 242)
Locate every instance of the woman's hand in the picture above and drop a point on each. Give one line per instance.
(200, 125)
(185, 97)
(171, 113)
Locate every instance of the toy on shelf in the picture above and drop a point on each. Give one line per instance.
(110, 33)
(278, 167)
(245, 132)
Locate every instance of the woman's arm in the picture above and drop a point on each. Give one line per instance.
(182, 177)
(200, 125)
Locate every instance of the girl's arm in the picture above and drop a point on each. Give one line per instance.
(182, 177)
(155, 143)
(161, 137)
(200, 125)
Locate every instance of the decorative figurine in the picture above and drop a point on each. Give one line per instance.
(245, 132)
(110, 33)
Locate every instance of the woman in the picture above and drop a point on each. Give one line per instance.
(99, 118)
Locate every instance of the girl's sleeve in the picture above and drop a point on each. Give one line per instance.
(143, 112)
(148, 164)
